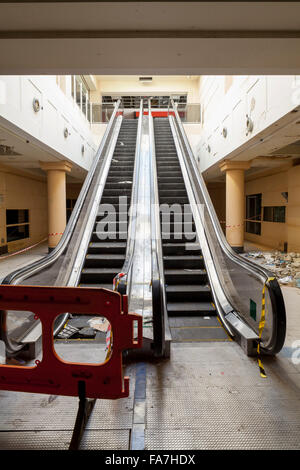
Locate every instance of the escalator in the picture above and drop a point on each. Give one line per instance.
(202, 290)
(105, 259)
(94, 247)
(191, 311)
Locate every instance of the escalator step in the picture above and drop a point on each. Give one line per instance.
(181, 248)
(107, 247)
(191, 308)
(114, 200)
(108, 236)
(104, 286)
(184, 261)
(170, 201)
(116, 192)
(169, 179)
(110, 226)
(173, 192)
(118, 214)
(185, 276)
(164, 174)
(182, 292)
(176, 237)
(176, 228)
(171, 185)
(98, 275)
(120, 185)
(104, 260)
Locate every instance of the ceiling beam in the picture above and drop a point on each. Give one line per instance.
(149, 34)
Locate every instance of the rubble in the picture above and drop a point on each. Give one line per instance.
(285, 266)
(99, 323)
(2, 352)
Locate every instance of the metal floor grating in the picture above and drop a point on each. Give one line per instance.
(52, 440)
(207, 396)
(221, 438)
(197, 329)
(45, 422)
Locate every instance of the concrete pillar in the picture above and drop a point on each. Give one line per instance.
(57, 218)
(235, 202)
(293, 209)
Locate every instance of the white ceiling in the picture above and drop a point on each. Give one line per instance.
(30, 154)
(165, 16)
(178, 38)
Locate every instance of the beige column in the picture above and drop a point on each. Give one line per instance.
(235, 202)
(57, 219)
(293, 209)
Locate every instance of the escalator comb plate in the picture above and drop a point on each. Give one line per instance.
(67, 332)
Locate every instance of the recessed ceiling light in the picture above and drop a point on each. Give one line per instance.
(145, 79)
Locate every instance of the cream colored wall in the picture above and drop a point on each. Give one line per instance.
(22, 192)
(192, 131)
(217, 192)
(98, 132)
(73, 190)
(159, 85)
(293, 213)
(273, 234)
(226, 101)
(58, 111)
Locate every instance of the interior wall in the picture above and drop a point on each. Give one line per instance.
(217, 192)
(73, 190)
(22, 192)
(58, 128)
(160, 84)
(273, 234)
(293, 213)
(227, 102)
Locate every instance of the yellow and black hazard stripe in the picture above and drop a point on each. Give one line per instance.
(116, 280)
(261, 326)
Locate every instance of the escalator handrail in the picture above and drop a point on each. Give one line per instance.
(159, 303)
(17, 276)
(263, 274)
(20, 274)
(124, 285)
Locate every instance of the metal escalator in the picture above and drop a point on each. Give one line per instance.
(97, 242)
(105, 259)
(202, 290)
(192, 314)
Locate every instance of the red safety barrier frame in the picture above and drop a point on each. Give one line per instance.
(54, 376)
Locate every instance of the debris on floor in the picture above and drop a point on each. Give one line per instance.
(87, 333)
(2, 352)
(99, 323)
(67, 332)
(285, 266)
(84, 327)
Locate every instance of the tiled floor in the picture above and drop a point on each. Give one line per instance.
(11, 261)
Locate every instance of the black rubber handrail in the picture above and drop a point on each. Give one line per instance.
(16, 276)
(19, 275)
(159, 304)
(265, 276)
(124, 283)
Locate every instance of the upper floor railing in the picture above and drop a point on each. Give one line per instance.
(189, 112)
(98, 113)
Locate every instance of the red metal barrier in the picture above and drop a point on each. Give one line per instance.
(52, 375)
